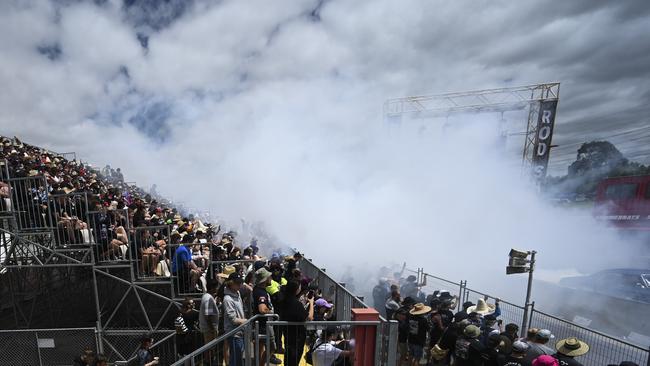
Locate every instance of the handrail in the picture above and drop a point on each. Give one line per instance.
(221, 338)
(44, 329)
(132, 359)
(591, 330)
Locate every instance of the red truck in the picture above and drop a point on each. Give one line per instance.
(624, 202)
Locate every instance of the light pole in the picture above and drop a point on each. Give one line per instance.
(519, 263)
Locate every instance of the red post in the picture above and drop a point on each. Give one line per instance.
(364, 337)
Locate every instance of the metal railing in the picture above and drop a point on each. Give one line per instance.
(164, 349)
(334, 291)
(103, 226)
(67, 214)
(604, 349)
(29, 200)
(45, 346)
(210, 349)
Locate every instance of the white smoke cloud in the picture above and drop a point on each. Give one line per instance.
(258, 111)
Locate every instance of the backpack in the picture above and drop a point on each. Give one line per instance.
(462, 349)
(309, 355)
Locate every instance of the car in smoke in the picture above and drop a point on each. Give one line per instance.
(625, 283)
(624, 202)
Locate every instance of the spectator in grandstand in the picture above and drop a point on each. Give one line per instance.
(209, 316)
(323, 310)
(469, 350)
(325, 351)
(101, 360)
(545, 360)
(262, 305)
(568, 349)
(379, 295)
(143, 355)
(184, 268)
(186, 328)
(118, 246)
(234, 317)
(462, 313)
(441, 318)
(511, 331)
(489, 324)
(403, 328)
(410, 287)
(538, 345)
(518, 355)
(392, 304)
(87, 358)
(418, 329)
(294, 311)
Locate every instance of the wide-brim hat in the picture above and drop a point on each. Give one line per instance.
(261, 275)
(482, 308)
(419, 309)
(227, 271)
(472, 331)
(572, 347)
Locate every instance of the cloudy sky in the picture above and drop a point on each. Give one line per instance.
(277, 104)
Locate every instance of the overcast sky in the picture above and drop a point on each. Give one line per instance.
(273, 110)
(85, 66)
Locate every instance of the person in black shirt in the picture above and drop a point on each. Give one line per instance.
(511, 331)
(294, 311)
(418, 329)
(517, 357)
(469, 350)
(462, 314)
(262, 305)
(569, 348)
(402, 317)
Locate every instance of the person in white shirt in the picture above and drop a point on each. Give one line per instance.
(325, 352)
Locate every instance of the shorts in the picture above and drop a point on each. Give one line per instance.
(416, 351)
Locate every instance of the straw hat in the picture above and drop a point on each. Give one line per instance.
(419, 309)
(227, 271)
(482, 308)
(572, 347)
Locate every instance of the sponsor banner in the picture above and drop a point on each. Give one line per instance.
(543, 138)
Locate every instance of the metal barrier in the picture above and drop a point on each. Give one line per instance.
(189, 269)
(333, 291)
(108, 234)
(209, 354)
(306, 335)
(121, 342)
(68, 215)
(603, 349)
(510, 313)
(29, 200)
(45, 346)
(150, 245)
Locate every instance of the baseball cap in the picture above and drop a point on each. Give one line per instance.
(235, 278)
(545, 334)
(519, 347)
(323, 303)
(545, 360)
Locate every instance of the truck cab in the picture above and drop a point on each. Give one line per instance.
(624, 202)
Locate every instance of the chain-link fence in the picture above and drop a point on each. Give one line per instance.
(603, 349)
(45, 346)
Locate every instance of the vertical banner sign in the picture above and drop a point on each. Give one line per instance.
(545, 123)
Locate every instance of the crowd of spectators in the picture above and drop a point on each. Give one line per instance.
(431, 333)
(236, 283)
(261, 288)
